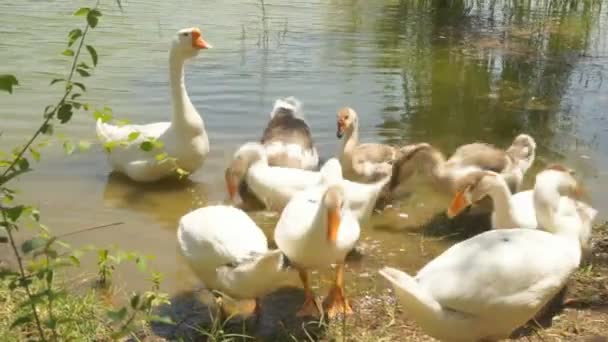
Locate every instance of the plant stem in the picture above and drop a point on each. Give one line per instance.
(49, 287)
(24, 284)
(51, 115)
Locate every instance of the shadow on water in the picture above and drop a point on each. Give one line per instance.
(195, 321)
(456, 229)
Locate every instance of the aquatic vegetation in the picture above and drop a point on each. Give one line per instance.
(39, 304)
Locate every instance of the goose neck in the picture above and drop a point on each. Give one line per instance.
(184, 113)
(503, 207)
(546, 206)
(351, 139)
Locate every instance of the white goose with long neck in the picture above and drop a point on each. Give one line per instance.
(509, 210)
(184, 113)
(483, 288)
(183, 139)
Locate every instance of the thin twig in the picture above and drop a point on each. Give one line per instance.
(51, 115)
(89, 229)
(24, 284)
(11, 168)
(49, 287)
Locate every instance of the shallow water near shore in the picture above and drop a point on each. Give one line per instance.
(442, 72)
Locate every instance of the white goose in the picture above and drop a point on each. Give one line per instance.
(316, 229)
(510, 210)
(485, 287)
(229, 253)
(287, 137)
(275, 186)
(184, 137)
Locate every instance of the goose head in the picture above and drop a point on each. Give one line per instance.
(346, 122)
(472, 188)
(523, 151)
(333, 203)
(550, 186)
(558, 178)
(188, 42)
(243, 159)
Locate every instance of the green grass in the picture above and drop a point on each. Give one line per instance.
(84, 315)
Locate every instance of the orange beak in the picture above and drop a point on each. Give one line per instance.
(333, 223)
(459, 203)
(231, 187)
(198, 41)
(579, 192)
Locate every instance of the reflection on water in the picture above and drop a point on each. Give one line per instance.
(164, 201)
(445, 72)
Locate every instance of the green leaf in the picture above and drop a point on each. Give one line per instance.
(96, 12)
(141, 264)
(13, 213)
(51, 323)
(93, 54)
(161, 157)
(134, 135)
(68, 52)
(49, 276)
(64, 114)
(84, 65)
(135, 301)
(83, 72)
(8, 177)
(181, 172)
(109, 146)
(73, 35)
(76, 95)
(21, 320)
(75, 260)
(117, 315)
(47, 128)
(35, 214)
(35, 154)
(68, 147)
(80, 85)
(159, 319)
(93, 18)
(81, 12)
(7, 82)
(146, 146)
(158, 144)
(104, 115)
(48, 110)
(55, 80)
(23, 163)
(33, 244)
(84, 145)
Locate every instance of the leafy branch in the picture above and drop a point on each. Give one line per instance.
(34, 285)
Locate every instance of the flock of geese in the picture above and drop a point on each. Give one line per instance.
(480, 289)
